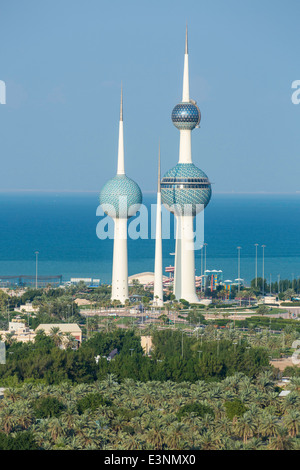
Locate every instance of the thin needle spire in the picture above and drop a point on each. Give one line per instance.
(121, 105)
(186, 88)
(158, 182)
(121, 165)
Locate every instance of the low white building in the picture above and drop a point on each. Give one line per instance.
(26, 308)
(19, 331)
(64, 328)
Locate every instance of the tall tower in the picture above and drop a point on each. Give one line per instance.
(185, 191)
(120, 198)
(158, 295)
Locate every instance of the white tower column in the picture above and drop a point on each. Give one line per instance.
(120, 261)
(120, 257)
(177, 265)
(158, 295)
(185, 146)
(187, 260)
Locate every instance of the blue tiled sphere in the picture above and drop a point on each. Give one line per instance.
(186, 116)
(121, 197)
(185, 189)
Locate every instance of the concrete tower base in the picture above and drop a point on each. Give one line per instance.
(184, 277)
(120, 263)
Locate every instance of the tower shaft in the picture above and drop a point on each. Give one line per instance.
(184, 280)
(120, 261)
(158, 268)
(185, 146)
(158, 295)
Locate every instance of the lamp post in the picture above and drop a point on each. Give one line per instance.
(36, 269)
(239, 266)
(205, 245)
(218, 346)
(202, 268)
(256, 245)
(263, 275)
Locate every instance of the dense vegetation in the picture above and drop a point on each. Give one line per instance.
(236, 413)
(176, 357)
(209, 387)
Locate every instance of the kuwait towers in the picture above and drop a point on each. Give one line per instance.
(120, 198)
(185, 191)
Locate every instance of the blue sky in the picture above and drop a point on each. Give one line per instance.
(63, 63)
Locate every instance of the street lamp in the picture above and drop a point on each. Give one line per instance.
(239, 266)
(205, 245)
(36, 269)
(218, 346)
(263, 276)
(256, 245)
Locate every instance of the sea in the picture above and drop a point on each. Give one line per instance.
(63, 228)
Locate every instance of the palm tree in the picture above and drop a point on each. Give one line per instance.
(56, 335)
(7, 419)
(12, 394)
(23, 415)
(155, 436)
(282, 441)
(292, 422)
(294, 385)
(56, 428)
(69, 340)
(175, 435)
(268, 425)
(208, 441)
(224, 426)
(245, 427)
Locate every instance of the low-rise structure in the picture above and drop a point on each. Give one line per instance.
(18, 330)
(64, 328)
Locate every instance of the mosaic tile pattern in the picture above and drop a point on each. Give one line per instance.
(185, 187)
(120, 197)
(186, 116)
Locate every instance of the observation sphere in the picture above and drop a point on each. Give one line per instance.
(185, 189)
(186, 116)
(121, 197)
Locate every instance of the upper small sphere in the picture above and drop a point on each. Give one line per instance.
(121, 197)
(186, 116)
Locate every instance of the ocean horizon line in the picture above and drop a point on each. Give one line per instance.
(87, 191)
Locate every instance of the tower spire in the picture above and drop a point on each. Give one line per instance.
(158, 180)
(121, 166)
(186, 40)
(185, 88)
(121, 105)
